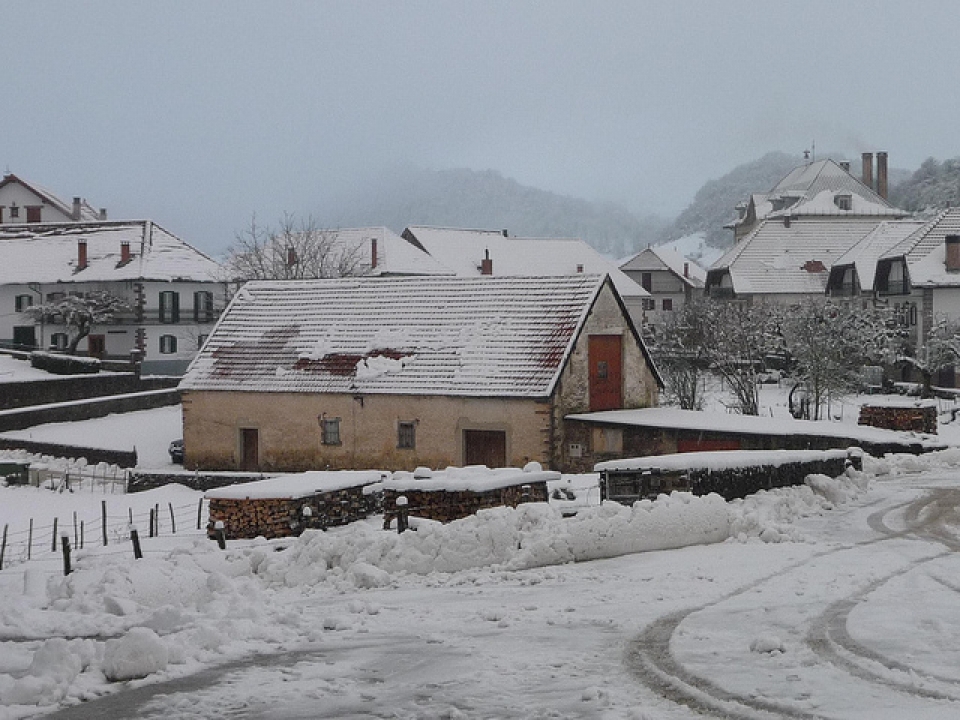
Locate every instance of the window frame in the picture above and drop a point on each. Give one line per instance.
(169, 307)
(168, 344)
(203, 306)
(330, 431)
(59, 340)
(23, 301)
(407, 435)
(667, 304)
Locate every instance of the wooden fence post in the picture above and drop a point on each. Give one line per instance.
(199, 512)
(76, 538)
(82, 533)
(3, 546)
(156, 520)
(221, 535)
(173, 520)
(150, 530)
(135, 538)
(103, 520)
(53, 543)
(401, 502)
(65, 543)
(30, 540)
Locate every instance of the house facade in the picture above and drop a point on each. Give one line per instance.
(398, 373)
(174, 292)
(25, 202)
(671, 280)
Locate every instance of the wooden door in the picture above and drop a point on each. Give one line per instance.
(96, 346)
(606, 372)
(249, 449)
(485, 447)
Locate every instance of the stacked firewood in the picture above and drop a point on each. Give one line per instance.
(448, 505)
(911, 419)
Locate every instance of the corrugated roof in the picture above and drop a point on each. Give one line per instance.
(47, 253)
(463, 250)
(776, 259)
(484, 336)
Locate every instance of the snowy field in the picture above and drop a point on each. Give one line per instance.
(837, 599)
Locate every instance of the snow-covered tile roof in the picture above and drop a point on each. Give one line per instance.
(659, 257)
(394, 255)
(463, 250)
(775, 258)
(86, 211)
(48, 253)
(752, 425)
(481, 336)
(925, 253)
(864, 255)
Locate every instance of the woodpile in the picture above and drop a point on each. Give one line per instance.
(449, 505)
(905, 418)
(285, 517)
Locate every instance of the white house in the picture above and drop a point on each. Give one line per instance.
(25, 202)
(175, 292)
(671, 279)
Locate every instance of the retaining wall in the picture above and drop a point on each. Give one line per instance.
(77, 387)
(21, 418)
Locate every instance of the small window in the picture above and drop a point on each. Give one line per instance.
(646, 281)
(14, 211)
(201, 339)
(330, 428)
(668, 303)
(203, 306)
(406, 436)
(23, 302)
(649, 304)
(603, 370)
(33, 214)
(169, 306)
(168, 344)
(58, 341)
(843, 202)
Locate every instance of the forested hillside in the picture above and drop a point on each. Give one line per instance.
(934, 186)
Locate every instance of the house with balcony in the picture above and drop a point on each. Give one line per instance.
(175, 293)
(671, 280)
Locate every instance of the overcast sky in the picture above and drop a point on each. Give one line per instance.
(196, 114)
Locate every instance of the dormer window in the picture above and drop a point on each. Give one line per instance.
(843, 202)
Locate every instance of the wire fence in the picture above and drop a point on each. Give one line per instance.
(111, 527)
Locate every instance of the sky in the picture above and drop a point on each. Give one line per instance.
(199, 113)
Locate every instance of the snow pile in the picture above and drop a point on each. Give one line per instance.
(55, 666)
(378, 365)
(894, 464)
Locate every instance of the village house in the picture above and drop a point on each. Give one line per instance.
(398, 373)
(671, 279)
(25, 202)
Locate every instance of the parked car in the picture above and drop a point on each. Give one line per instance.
(176, 451)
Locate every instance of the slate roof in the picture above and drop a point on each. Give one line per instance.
(776, 259)
(86, 211)
(925, 253)
(462, 250)
(47, 253)
(483, 336)
(666, 259)
(864, 255)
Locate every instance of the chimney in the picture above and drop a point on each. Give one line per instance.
(291, 257)
(504, 231)
(845, 165)
(81, 254)
(686, 270)
(952, 243)
(103, 213)
(868, 170)
(786, 221)
(486, 265)
(882, 175)
(124, 252)
(373, 253)
(76, 208)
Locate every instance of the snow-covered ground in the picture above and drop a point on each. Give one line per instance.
(837, 599)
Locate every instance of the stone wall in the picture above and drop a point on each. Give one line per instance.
(79, 387)
(20, 418)
(121, 458)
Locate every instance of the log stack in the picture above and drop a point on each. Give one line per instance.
(445, 505)
(907, 418)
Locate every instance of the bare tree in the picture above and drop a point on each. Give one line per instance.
(295, 250)
(939, 350)
(80, 313)
(681, 351)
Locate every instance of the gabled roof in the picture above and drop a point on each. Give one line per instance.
(777, 258)
(659, 257)
(462, 251)
(864, 255)
(483, 336)
(86, 212)
(48, 253)
(395, 256)
(924, 251)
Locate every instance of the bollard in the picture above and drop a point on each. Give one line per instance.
(401, 513)
(221, 535)
(65, 544)
(135, 538)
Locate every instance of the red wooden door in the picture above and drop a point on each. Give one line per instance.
(606, 372)
(485, 447)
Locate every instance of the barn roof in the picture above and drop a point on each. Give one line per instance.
(483, 336)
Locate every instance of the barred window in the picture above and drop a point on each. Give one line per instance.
(406, 436)
(331, 431)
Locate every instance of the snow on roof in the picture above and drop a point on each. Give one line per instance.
(482, 336)
(473, 478)
(86, 211)
(47, 253)
(394, 255)
(719, 460)
(663, 257)
(751, 425)
(925, 251)
(463, 250)
(297, 485)
(811, 180)
(775, 258)
(864, 255)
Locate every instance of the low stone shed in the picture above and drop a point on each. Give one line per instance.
(729, 473)
(287, 505)
(455, 493)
